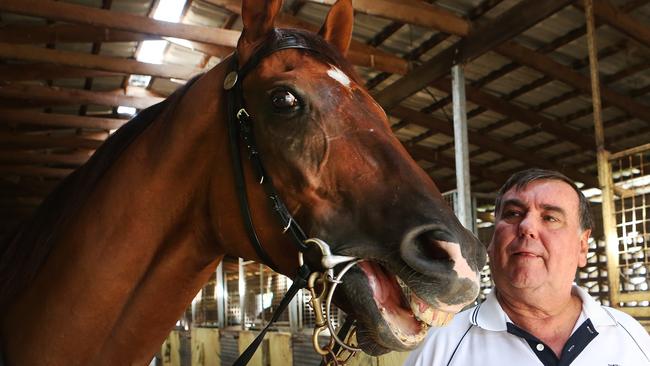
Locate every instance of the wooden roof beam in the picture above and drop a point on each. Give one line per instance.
(80, 14)
(482, 39)
(548, 66)
(76, 96)
(24, 158)
(414, 12)
(15, 117)
(424, 153)
(549, 47)
(64, 32)
(43, 71)
(34, 171)
(359, 54)
(80, 33)
(520, 114)
(103, 63)
(29, 187)
(35, 142)
(485, 142)
(607, 13)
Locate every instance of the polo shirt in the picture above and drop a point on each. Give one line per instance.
(484, 335)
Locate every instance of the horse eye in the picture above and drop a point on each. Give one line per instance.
(284, 101)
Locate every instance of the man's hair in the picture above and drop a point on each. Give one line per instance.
(521, 179)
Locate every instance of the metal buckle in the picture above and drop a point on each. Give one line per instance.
(242, 112)
(323, 320)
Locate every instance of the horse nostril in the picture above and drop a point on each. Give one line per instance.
(427, 251)
(430, 248)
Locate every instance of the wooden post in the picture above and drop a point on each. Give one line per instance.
(604, 169)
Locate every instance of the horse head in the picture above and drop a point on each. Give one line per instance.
(328, 148)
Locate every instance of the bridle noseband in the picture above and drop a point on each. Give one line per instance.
(240, 128)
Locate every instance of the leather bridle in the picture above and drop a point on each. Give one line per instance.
(240, 128)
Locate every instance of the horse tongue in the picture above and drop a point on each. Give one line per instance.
(385, 288)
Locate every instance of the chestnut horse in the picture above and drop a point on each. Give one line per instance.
(112, 258)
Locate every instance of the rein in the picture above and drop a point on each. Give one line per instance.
(240, 125)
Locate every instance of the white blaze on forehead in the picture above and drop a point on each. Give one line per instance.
(339, 76)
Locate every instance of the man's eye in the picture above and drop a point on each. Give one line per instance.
(511, 213)
(284, 101)
(550, 218)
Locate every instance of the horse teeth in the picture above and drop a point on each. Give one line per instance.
(427, 314)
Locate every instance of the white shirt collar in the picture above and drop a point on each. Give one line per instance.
(489, 315)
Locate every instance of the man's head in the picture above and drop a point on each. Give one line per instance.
(521, 179)
(541, 232)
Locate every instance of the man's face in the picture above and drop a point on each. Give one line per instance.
(537, 241)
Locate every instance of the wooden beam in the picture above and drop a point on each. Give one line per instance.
(105, 63)
(64, 32)
(484, 141)
(424, 153)
(520, 114)
(76, 96)
(80, 33)
(607, 13)
(511, 23)
(414, 12)
(29, 187)
(548, 66)
(34, 171)
(547, 48)
(30, 142)
(359, 54)
(79, 14)
(24, 158)
(43, 71)
(21, 117)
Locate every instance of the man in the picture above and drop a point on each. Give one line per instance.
(536, 315)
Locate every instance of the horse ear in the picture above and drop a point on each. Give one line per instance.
(337, 29)
(258, 18)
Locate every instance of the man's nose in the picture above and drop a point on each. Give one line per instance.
(528, 227)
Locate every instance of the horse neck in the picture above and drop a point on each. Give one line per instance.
(135, 252)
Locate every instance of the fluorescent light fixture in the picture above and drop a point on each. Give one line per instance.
(126, 110)
(637, 182)
(592, 192)
(152, 51)
(169, 10)
(181, 42)
(139, 80)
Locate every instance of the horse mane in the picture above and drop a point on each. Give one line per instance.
(23, 252)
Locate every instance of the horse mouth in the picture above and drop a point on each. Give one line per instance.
(400, 319)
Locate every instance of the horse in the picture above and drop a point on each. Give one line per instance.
(114, 255)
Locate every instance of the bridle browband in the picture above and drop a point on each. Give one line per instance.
(240, 127)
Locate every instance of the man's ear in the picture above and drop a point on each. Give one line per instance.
(258, 17)
(337, 29)
(584, 247)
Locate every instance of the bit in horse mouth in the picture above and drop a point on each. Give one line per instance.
(407, 316)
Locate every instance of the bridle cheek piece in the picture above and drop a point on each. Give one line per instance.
(338, 349)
